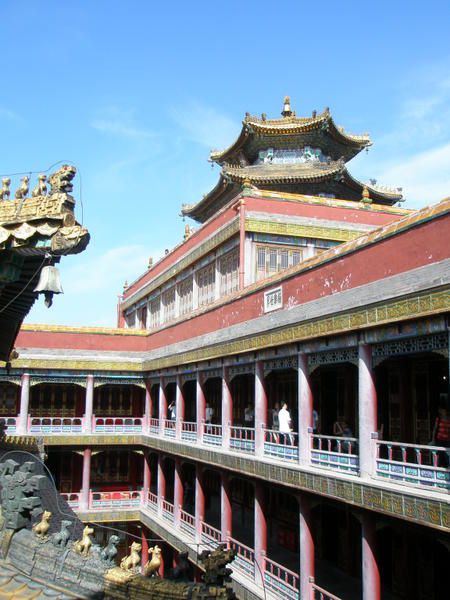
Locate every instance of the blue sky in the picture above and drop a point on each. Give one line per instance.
(136, 94)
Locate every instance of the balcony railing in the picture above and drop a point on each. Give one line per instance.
(245, 557)
(243, 439)
(72, 499)
(413, 464)
(282, 581)
(318, 593)
(189, 431)
(210, 535)
(187, 523)
(9, 424)
(152, 501)
(55, 425)
(117, 424)
(212, 434)
(113, 500)
(169, 428)
(281, 445)
(167, 509)
(153, 426)
(333, 452)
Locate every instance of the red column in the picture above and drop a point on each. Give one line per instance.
(161, 566)
(241, 209)
(200, 406)
(162, 405)
(370, 571)
(199, 501)
(146, 482)
(161, 483)
(144, 551)
(227, 409)
(147, 405)
(22, 425)
(179, 407)
(177, 491)
(306, 548)
(260, 530)
(260, 408)
(367, 407)
(89, 404)
(226, 521)
(305, 410)
(86, 479)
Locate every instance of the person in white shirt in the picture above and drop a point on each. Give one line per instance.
(209, 412)
(284, 423)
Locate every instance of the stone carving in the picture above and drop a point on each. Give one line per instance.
(182, 569)
(61, 538)
(152, 567)
(18, 485)
(40, 529)
(41, 187)
(215, 563)
(22, 190)
(5, 191)
(83, 546)
(131, 562)
(61, 181)
(109, 552)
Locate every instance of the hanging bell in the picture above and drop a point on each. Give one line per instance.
(49, 283)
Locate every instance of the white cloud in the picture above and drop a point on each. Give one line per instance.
(122, 123)
(10, 115)
(205, 125)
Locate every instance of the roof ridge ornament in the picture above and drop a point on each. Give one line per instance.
(287, 111)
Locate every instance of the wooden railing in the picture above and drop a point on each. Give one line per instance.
(318, 593)
(245, 557)
(210, 535)
(189, 431)
(72, 499)
(212, 434)
(335, 452)
(117, 424)
(55, 425)
(281, 445)
(285, 583)
(167, 509)
(242, 438)
(169, 428)
(111, 500)
(187, 522)
(153, 426)
(9, 424)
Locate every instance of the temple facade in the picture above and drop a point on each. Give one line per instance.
(301, 290)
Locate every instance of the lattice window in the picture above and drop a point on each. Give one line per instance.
(52, 400)
(142, 317)
(206, 281)
(155, 312)
(185, 293)
(271, 259)
(229, 273)
(113, 400)
(8, 398)
(168, 302)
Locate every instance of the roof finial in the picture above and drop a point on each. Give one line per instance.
(366, 196)
(287, 112)
(187, 232)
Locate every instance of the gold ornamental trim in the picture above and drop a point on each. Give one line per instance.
(296, 230)
(420, 305)
(76, 329)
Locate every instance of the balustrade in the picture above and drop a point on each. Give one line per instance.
(212, 434)
(169, 428)
(285, 583)
(117, 424)
(153, 426)
(189, 431)
(245, 557)
(187, 522)
(334, 452)
(167, 509)
(210, 535)
(8, 424)
(243, 439)
(105, 500)
(55, 425)
(281, 445)
(152, 501)
(318, 593)
(72, 499)
(413, 464)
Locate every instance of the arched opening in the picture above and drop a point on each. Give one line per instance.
(154, 394)
(119, 401)
(9, 399)
(57, 400)
(188, 479)
(242, 389)
(283, 527)
(190, 400)
(213, 399)
(242, 510)
(211, 486)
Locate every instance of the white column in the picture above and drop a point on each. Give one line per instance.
(86, 480)
(22, 425)
(89, 404)
(305, 410)
(367, 410)
(260, 408)
(227, 409)
(306, 548)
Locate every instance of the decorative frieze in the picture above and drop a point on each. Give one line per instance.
(331, 357)
(81, 381)
(99, 381)
(212, 373)
(276, 364)
(437, 342)
(241, 370)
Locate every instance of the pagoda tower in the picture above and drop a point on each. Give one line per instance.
(298, 155)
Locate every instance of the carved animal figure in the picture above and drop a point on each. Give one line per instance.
(83, 546)
(131, 561)
(5, 191)
(40, 529)
(22, 190)
(41, 188)
(109, 552)
(152, 567)
(61, 181)
(61, 538)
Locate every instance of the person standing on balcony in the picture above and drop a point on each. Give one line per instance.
(284, 423)
(172, 410)
(249, 416)
(441, 431)
(209, 413)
